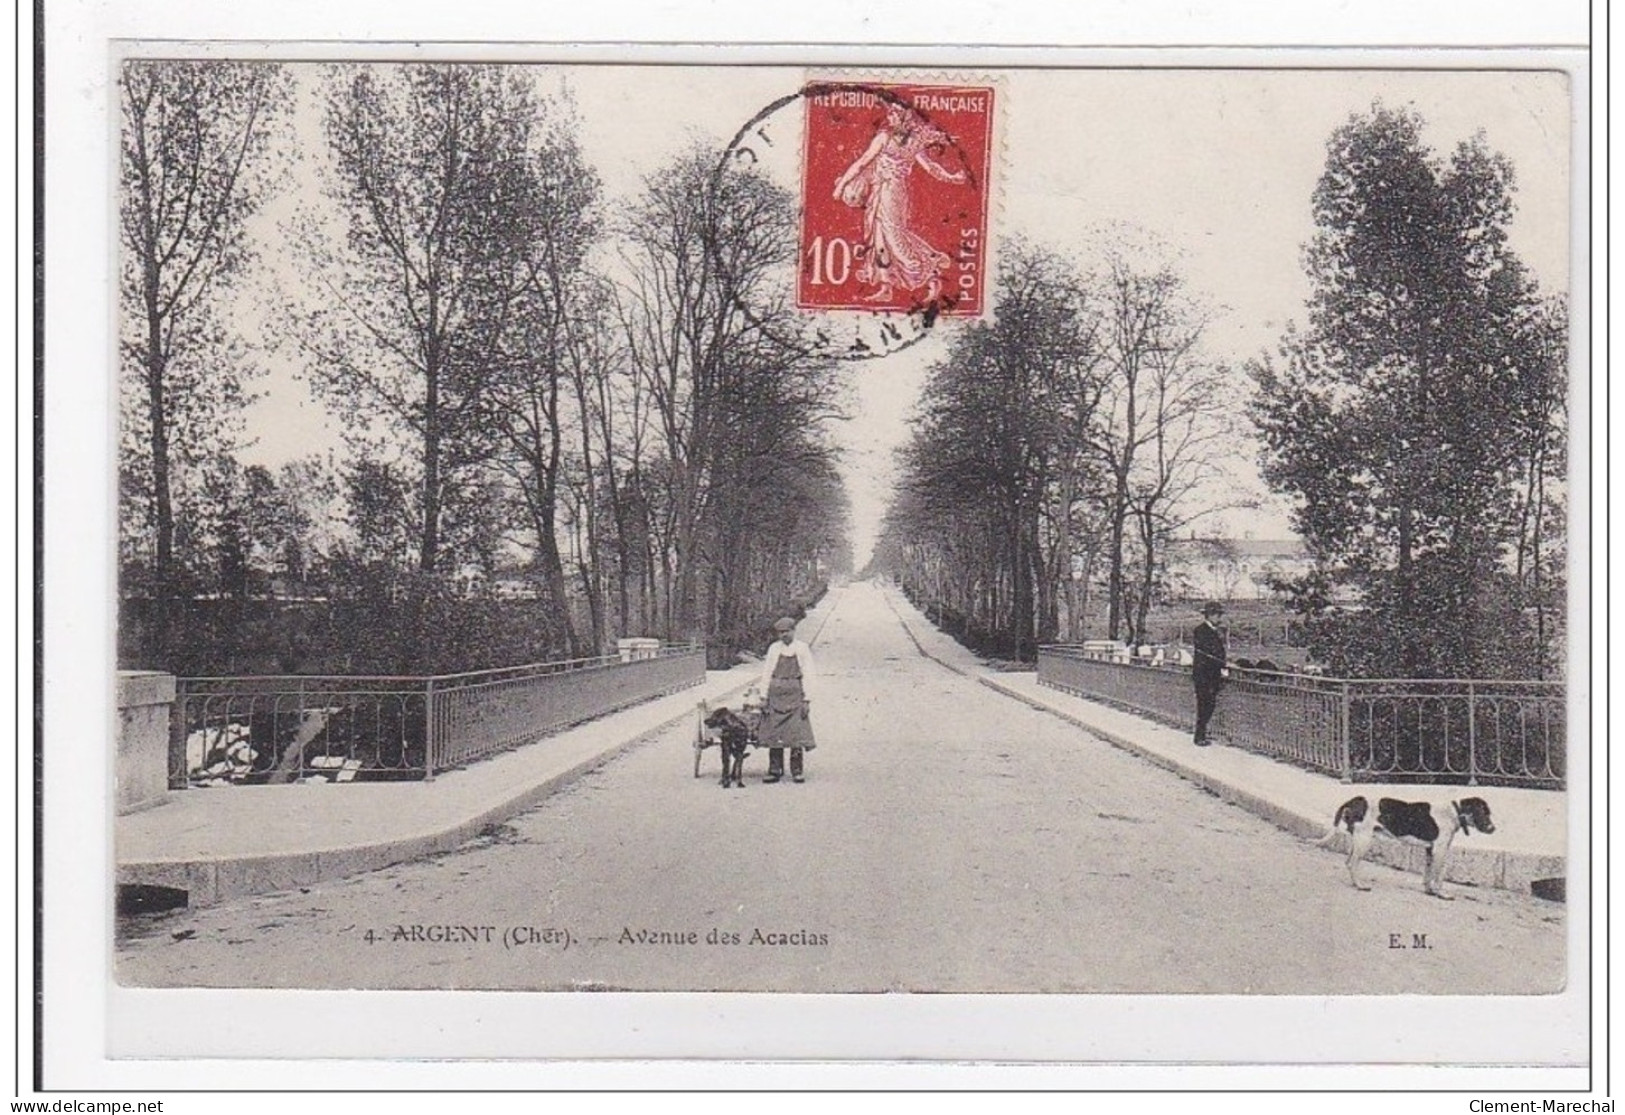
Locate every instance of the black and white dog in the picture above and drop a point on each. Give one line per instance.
(733, 735)
(1416, 822)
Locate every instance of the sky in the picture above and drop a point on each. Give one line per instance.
(1211, 170)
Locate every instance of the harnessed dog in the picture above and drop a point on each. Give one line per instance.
(733, 736)
(1434, 827)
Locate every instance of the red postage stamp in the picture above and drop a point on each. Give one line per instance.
(894, 198)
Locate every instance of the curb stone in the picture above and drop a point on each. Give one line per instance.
(209, 882)
(1511, 871)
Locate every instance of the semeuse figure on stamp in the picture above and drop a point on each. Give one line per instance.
(1207, 667)
(787, 682)
(877, 182)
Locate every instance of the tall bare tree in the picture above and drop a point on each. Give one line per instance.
(707, 330)
(1187, 407)
(1144, 331)
(543, 357)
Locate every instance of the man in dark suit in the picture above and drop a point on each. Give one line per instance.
(1208, 667)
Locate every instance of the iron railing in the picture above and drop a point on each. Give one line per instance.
(473, 715)
(252, 730)
(1392, 730)
(1505, 732)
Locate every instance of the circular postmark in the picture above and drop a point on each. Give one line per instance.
(892, 212)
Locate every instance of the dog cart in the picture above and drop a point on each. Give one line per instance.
(708, 736)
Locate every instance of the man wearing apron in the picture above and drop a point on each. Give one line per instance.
(787, 682)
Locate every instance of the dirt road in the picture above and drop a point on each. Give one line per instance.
(947, 839)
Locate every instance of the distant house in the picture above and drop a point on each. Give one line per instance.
(506, 583)
(470, 579)
(1232, 568)
(514, 586)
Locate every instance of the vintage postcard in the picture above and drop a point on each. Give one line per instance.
(1074, 531)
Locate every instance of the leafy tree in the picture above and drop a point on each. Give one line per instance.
(1003, 420)
(1541, 462)
(433, 181)
(296, 524)
(192, 170)
(776, 513)
(459, 200)
(1404, 418)
(1074, 429)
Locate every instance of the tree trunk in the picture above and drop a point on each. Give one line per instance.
(1142, 616)
(685, 605)
(1114, 555)
(547, 498)
(1064, 586)
(552, 565)
(429, 537)
(623, 548)
(1537, 586)
(1081, 631)
(1021, 605)
(1142, 611)
(592, 571)
(163, 512)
